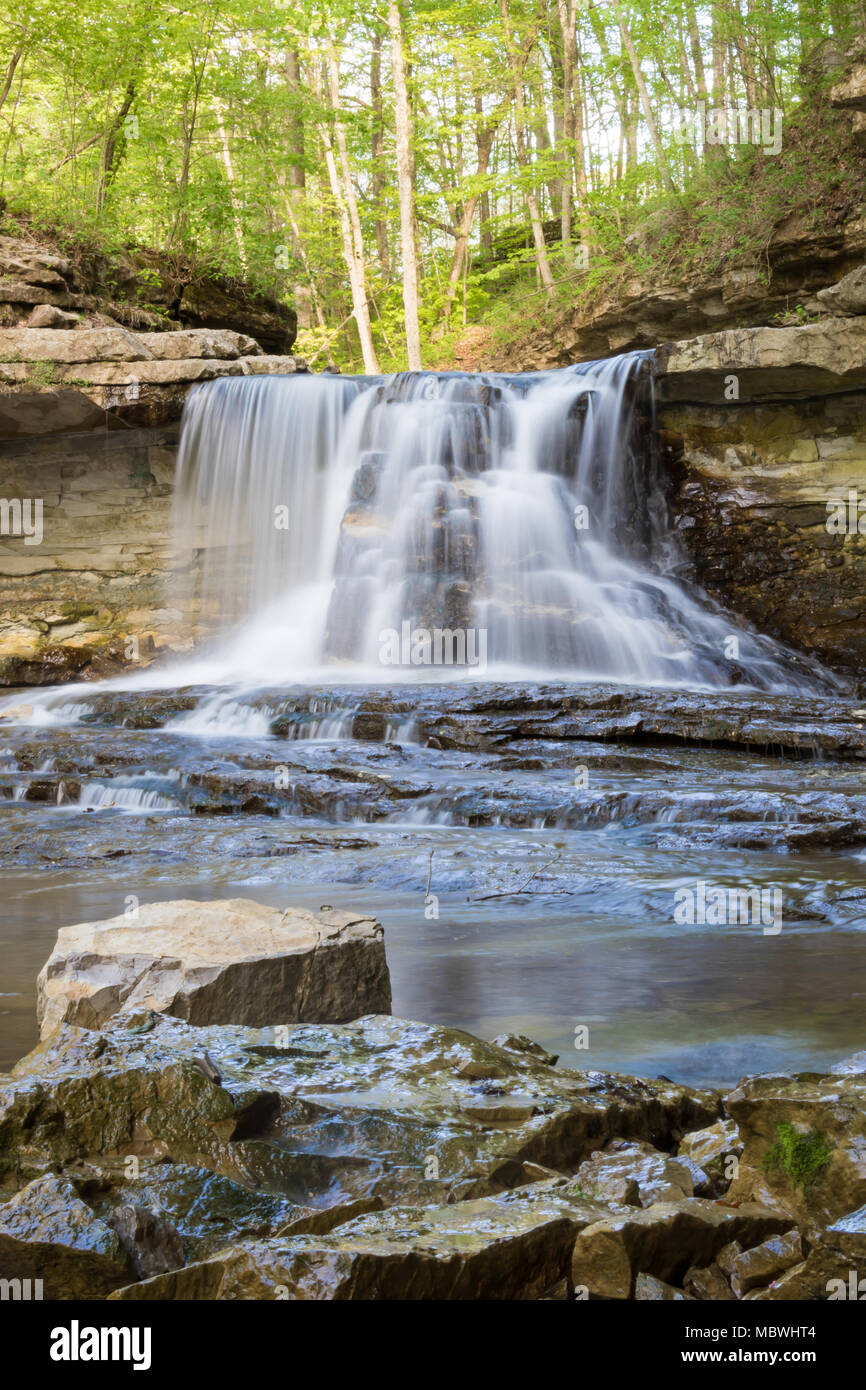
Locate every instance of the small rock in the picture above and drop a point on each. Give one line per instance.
(709, 1283)
(636, 1171)
(710, 1149)
(765, 1262)
(665, 1240)
(49, 316)
(648, 1289)
(518, 1042)
(727, 1256)
(152, 1243)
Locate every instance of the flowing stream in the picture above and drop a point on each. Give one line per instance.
(447, 670)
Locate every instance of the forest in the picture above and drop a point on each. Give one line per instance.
(393, 174)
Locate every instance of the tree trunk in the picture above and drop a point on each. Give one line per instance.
(405, 186)
(301, 292)
(377, 151)
(567, 23)
(350, 223)
(541, 261)
(643, 93)
(10, 74)
(110, 157)
(484, 201)
(230, 179)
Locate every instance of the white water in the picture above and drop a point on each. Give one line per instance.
(527, 512)
(444, 501)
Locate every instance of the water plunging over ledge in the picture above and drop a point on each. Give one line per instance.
(285, 762)
(327, 521)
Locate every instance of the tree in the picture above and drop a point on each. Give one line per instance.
(405, 185)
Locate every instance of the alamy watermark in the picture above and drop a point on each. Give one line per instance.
(424, 646)
(710, 905)
(730, 126)
(846, 516)
(22, 517)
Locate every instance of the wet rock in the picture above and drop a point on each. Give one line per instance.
(80, 1094)
(48, 1233)
(519, 1043)
(232, 961)
(848, 1235)
(636, 1175)
(763, 1263)
(152, 1243)
(52, 666)
(207, 1210)
(850, 1066)
(322, 1113)
(708, 1282)
(824, 1275)
(369, 725)
(710, 1149)
(804, 1142)
(727, 1257)
(515, 1246)
(665, 1240)
(648, 1289)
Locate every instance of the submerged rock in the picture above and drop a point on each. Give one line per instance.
(232, 961)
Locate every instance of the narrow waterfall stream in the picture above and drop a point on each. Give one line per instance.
(444, 668)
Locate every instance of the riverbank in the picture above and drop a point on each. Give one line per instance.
(154, 1160)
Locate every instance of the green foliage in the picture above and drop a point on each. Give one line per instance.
(182, 125)
(42, 373)
(801, 1157)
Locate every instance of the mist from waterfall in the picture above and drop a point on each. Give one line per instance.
(314, 515)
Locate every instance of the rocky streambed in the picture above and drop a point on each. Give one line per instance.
(523, 848)
(391, 1159)
(185, 1131)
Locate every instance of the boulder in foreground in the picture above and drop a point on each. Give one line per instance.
(224, 962)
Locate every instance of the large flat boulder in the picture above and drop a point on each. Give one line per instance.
(769, 363)
(168, 371)
(81, 345)
(232, 961)
(200, 342)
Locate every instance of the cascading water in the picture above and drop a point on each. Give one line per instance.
(339, 524)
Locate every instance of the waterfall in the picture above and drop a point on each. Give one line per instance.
(336, 525)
